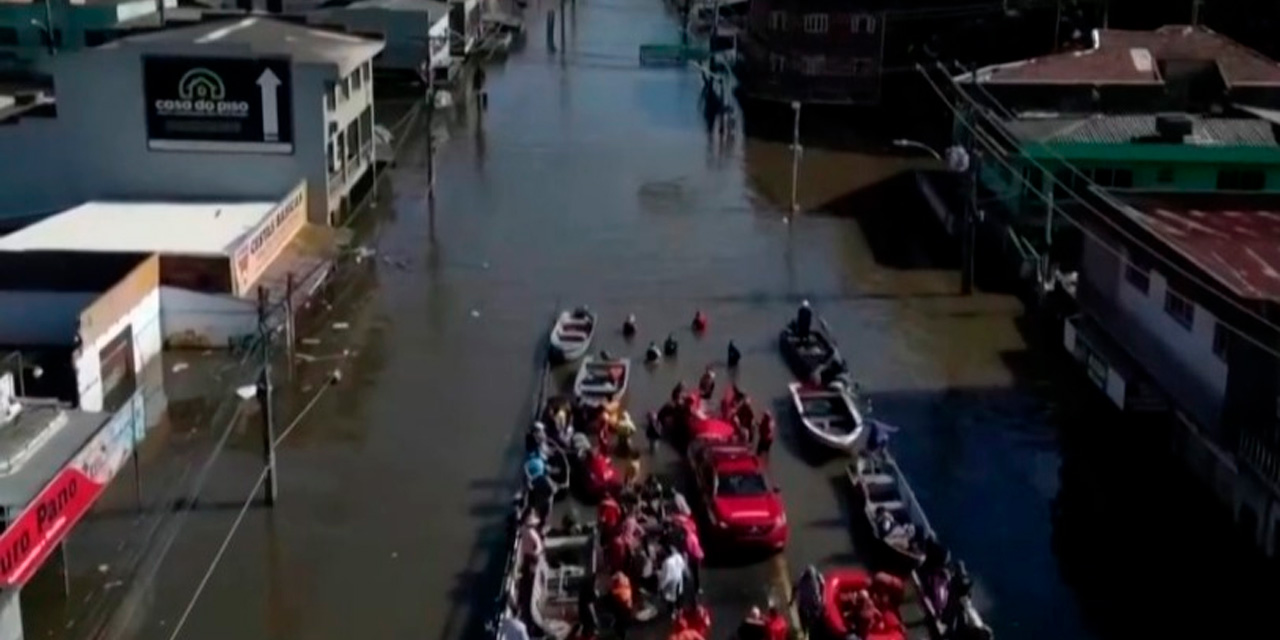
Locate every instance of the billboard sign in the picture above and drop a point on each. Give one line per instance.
(264, 243)
(38, 529)
(218, 104)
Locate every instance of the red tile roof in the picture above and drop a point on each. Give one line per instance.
(1233, 238)
(1132, 57)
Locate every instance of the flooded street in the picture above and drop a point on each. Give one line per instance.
(589, 180)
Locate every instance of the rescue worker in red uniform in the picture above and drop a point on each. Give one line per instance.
(765, 434)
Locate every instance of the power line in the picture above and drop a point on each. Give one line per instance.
(244, 508)
(978, 108)
(1101, 241)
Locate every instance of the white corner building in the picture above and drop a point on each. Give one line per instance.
(243, 108)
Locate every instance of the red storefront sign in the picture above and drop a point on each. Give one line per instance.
(36, 532)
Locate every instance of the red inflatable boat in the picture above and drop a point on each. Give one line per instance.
(840, 619)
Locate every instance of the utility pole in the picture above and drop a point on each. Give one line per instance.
(265, 398)
(1057, 29)
(431, 134)
(551, 30)
(563, 18)
(48, 26)
(969, 241)
(290, 319)
(795, 158)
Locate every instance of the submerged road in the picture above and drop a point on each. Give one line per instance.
(589, 180)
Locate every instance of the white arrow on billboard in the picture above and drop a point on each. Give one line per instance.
(269, 84)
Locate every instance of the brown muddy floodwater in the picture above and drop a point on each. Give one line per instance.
(589, 180)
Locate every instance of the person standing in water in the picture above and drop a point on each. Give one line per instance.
(804, 320)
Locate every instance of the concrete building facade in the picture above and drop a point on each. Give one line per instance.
(1177, 301)
(415, 32)
(242, 109)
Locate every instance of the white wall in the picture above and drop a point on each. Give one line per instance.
(192, 319)
(1193, 348)
(145, 320)
(10, 616)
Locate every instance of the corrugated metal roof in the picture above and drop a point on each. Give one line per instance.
(1120, 129)
(206, 229)
(1126, 57)
(1233, 237)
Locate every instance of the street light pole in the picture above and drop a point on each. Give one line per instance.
(913, 144)
(795, 158)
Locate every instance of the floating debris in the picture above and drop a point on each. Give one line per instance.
(475, 313)
(180, 367)
(341, 326)
(310, 342)
(247, 391)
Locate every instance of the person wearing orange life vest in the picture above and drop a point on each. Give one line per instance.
(619, 603)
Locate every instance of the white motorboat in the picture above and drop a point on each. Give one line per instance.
(571, 335)
(600, 382)
(830, 415)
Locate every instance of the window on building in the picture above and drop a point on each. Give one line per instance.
(1179, 308)
(367, 72)
(330, 96)
(344, 88)
(1137, 274)
(813, 65)
(341, 151)
(1164, 175)
(778, 63)
(864, 23)
(366, 126)
(8, 36)
(815, 23)
(778, 20)
(357, 80)
(353, 139)
(1221, 336)
(333, 161)
(1122, 178)
(1234, 180)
